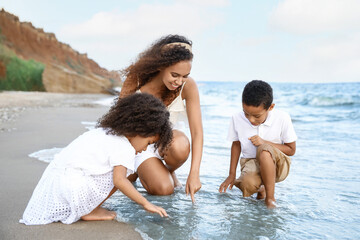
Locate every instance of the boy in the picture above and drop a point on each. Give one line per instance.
(265, 138)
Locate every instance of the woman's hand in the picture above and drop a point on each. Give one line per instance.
(155, 209)
(193, 185)
(228, 183)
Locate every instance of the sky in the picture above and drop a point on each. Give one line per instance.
(233, 40)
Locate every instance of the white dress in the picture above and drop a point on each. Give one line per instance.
(79, 178)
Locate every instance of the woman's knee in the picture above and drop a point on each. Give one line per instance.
(162, 188)
(180, 147)
(155, 177)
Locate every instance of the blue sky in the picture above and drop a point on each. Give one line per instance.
(272, 40)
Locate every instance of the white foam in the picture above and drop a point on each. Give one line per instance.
(45, 155)
(143, 235)
(106, 101)
(88, 125)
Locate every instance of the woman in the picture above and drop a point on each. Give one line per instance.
(163, 71)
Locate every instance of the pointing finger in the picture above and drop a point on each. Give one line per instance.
(192, 197)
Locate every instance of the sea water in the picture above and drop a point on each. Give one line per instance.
(320, 198)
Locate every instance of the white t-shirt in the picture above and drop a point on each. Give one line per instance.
(277, 128)
(96, 152)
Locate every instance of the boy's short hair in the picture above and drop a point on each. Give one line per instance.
(258, 92)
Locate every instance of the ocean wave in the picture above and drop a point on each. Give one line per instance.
(331, 101)
(109, 101)
(45, 155)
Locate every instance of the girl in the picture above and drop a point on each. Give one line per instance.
(163, 71)
(90, 169)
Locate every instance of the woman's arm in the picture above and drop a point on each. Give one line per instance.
(125, 186)
(191, 95)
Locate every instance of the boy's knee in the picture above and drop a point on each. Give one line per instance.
(263, 151)
(249, 183)
(263, 147)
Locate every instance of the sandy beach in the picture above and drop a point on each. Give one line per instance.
(32, 121)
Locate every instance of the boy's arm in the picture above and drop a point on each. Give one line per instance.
(287, 148)
(126, 187)
(234, 159)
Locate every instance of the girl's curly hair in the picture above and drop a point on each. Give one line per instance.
(156, 57)
(139, 114)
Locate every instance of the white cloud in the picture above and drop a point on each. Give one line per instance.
(217, 3)
(114, 38)
(316, 16)
(327, 36)
(256, 41)
(338, 58)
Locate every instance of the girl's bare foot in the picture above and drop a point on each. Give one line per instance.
(177, 184)
(261, 193)
(99, 214)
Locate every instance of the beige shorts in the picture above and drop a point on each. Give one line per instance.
(250, 179)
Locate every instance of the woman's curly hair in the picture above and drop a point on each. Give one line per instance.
(139, 114)
(154, 58)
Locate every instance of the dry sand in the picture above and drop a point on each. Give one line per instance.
(31, 121)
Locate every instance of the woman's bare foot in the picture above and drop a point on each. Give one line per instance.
(99, 214)
(132, 177)
(270, 203)
(177, 183)
(261, 193)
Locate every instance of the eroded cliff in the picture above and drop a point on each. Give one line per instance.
(66, 70)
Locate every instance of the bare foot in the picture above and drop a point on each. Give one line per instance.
(177, 184)
(132, 177)
(261, 193)
(99, 214)
(270, 203)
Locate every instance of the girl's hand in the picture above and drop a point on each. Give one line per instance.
(193, 185)
(229, 182)
(155, 209)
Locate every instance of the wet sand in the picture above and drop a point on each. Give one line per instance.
(31, 121)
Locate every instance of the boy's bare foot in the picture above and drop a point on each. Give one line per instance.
(237, 182)
(177, 183)
(261, 193)
(99, 214)
(270, 203)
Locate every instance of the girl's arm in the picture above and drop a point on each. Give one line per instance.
(126, 187)
(234, 160)
(191, 95)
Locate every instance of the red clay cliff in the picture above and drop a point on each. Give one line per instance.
(66, 70)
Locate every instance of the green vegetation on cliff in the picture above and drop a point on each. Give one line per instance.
(18, 74)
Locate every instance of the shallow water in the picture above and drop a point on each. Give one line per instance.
(320, 198)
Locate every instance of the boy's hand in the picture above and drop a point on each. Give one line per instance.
(155, 209)
(256, 140)
(228, 181)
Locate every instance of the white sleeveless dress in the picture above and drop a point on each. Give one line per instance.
(179, 120)
(79, 178)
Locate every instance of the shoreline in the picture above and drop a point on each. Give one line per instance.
(31, 121)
